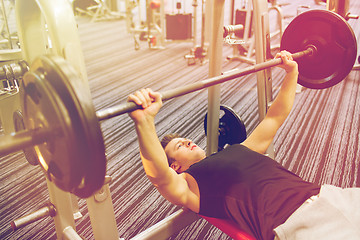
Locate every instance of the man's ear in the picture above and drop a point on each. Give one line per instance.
(175, 166)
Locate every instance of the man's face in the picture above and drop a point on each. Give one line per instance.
(185, 153)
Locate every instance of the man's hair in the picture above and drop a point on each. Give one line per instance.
(165, 141)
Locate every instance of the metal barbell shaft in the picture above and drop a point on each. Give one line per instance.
(23, 139)
(177, 92)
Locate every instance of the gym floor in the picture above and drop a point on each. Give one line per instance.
(320, 140)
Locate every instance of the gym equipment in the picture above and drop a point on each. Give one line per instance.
(10, 76)
(37, 215)
(150, 29)
(11, 73)
(98, 10)
(336, 53)
(232, 29)
(340, 7)
(6, 24)
(231, 127)
(43, 212)
(241, 18)
(9, 40)
(49, 27)
(229, 228)
(198, 51)
(213, 34)
(243, 49)
(178, 26)
(64, 129)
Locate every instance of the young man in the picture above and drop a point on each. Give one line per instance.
(240, 183)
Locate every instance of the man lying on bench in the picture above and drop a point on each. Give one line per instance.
(240, 184)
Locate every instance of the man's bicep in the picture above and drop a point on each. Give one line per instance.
(262, 136)
(175, 190)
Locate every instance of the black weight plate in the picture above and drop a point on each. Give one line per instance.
(54, 97)
(335, 42)
(231, 127)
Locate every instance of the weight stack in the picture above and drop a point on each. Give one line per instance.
(178, 26)
(240, 18)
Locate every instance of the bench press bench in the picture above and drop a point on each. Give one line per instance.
(229, 228)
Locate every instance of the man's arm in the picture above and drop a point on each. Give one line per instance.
(171, 185)
(261, 138)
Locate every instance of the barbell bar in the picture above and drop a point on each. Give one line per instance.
(63, 127)
(180, 91)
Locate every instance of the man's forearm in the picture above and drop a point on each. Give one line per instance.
(152, 154)
(284, 101)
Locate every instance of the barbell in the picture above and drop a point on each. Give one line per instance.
(63, 128)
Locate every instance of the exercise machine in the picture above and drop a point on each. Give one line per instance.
(10, 49)
(243, 43)
(198, 52)
(98, 10)
(152, 29)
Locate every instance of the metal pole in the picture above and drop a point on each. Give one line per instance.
(262, 50)
(260, 41)
(162, 23)
(13, 142)
(33, 217)
(215, 66)
(101, 212)
(194, 30)
(64, 217)
(168, 226)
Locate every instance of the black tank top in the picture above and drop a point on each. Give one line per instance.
(249, 188)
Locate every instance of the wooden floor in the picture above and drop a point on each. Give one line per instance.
(319, 141)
